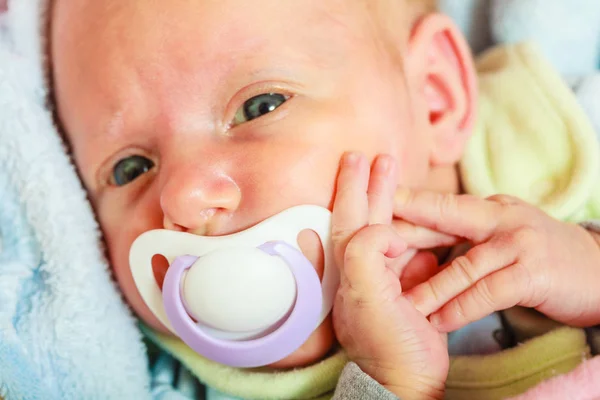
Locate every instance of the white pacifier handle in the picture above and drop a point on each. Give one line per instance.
(283, 227)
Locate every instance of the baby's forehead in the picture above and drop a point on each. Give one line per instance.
(113, 50)
(122, 32)
(106, 15)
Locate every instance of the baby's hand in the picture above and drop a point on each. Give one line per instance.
(379, 328)
(520, 256)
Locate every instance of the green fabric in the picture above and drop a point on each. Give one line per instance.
(532, 139)
(515, 370)
(315, 382)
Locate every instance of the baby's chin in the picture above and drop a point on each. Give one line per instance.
(313, 350)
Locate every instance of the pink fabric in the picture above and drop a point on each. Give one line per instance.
(581, 384)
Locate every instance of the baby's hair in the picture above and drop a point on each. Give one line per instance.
(423, 6)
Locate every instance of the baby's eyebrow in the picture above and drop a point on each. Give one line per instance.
(115, 124)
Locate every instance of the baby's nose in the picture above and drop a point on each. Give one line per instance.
(197, 201)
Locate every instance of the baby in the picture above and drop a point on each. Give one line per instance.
(208, 116)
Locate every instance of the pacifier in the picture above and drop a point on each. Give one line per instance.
(246, 300)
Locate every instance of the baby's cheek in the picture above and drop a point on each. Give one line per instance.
(119, 257)
(134, 299)
(413, 166)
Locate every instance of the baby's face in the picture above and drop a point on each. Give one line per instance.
(209, 116)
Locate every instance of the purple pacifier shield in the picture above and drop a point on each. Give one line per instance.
(275, 346)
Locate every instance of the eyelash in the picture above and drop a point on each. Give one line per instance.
(133, 174)
(243, 109)
(252, 91)
(257, 93)
(107, 174)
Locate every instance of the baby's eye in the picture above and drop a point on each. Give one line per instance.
(258, 106)
(128, 169)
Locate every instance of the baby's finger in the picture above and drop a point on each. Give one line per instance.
(350, 208)
(499, 291)
(419, 237)
(365, 262)
(421, 268)
(399, 264)
(459, 215)
(382, 186)
(463, 273)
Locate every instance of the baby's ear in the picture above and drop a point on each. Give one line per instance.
(439, 68)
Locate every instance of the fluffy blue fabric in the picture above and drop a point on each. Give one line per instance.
(64, 331)
(568, 32)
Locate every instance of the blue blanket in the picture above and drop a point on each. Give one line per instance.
(64, 331)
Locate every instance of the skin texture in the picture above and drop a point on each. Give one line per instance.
(165, 84)
(379, 327)
(520, 257)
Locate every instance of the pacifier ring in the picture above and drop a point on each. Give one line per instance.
(274, 346)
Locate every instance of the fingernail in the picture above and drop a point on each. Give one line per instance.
(435, 320)
(351, 159)
(383, 165)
